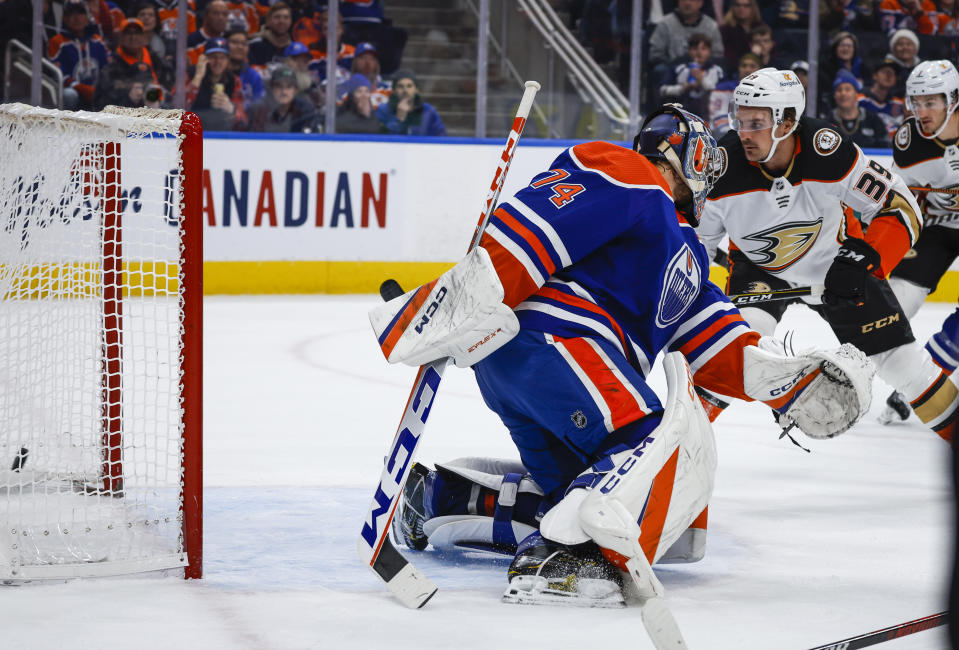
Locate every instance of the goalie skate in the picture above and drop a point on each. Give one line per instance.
(550, 574)
(897, 409)
(411, 512)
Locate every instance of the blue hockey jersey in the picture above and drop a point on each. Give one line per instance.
(594, 247)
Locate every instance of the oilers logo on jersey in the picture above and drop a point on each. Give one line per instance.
(680, 288)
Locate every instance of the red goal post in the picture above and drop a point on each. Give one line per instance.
(101, 342)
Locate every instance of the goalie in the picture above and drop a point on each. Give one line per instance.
(581, 280)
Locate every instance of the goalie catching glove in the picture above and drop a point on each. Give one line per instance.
(459, 315)
(824, 392)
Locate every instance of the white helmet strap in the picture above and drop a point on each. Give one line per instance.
(777, 140)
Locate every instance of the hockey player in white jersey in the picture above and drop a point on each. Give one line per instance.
(786, 199)
(926, 155)
(581, 279)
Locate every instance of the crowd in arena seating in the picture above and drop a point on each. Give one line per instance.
(256, 65)
(695, 51)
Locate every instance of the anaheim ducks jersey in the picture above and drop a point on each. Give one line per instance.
(792, 225)
(925, 162)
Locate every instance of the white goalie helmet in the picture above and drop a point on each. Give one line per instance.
(774, 89)
(934, 78)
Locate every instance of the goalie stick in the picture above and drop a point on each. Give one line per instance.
(888, 633)
(411, 587)
(747, 299)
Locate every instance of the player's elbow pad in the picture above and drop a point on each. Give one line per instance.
(460, 315)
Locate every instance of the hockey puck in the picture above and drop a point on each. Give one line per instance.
(20, 459)
(390, 289)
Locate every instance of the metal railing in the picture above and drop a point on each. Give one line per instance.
(18, 58)
(591, 80)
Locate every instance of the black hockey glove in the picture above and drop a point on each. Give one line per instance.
(846, 278)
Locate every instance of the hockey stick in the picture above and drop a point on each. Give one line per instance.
(747, 299)
(940, 190)
(888, 633)
(411, 587)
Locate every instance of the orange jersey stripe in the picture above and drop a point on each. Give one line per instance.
(517, 283)
(696, 341)
(406, 317)
(576, 301)
(657, 506)
(723, 372)
(528, 237)
(622, 406)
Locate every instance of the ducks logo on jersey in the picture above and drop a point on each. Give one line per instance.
(783, 244)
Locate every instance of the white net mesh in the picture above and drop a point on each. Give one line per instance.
(91, 316)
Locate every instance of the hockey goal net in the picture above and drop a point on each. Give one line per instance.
(100, 342)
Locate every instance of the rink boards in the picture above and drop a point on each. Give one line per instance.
(338, 214)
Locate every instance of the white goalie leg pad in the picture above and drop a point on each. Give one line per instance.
(672, 470)
(460, 315)
(824, 392)
(910, 296)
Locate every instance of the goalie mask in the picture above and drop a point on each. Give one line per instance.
(933, 79)
(683, 140)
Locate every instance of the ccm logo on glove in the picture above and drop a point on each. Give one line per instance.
(431, 310)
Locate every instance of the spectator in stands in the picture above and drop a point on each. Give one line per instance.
(721, 97)
(742, 17)
(761, 44)
(283, 111)
(168, 11)
(298, 58)
(793, 14)
(250, 80)
(318, 48)
(880, 98)
(80, 54)
(274, 37)
(859, 125)
(918, 15)
(843, 56)
(214, 26)
(356, 114)
(100, 13)
(146, 13)
(947, 20)
(406, 113)
(131, 64)
(695, 79)
(214, 93)
(242, 14)
(669, 39)
(903, 54)
(367, 63)
(363, 21)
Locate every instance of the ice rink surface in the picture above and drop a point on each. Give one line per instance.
(300, 406)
